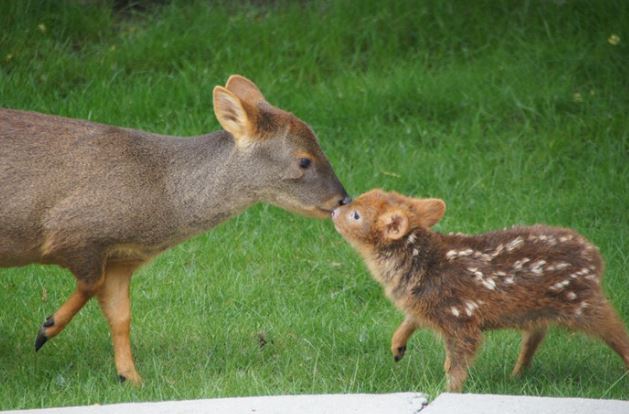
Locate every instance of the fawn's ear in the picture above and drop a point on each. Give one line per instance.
(393, 224)
(244, 89)
(232, 116)
(429, 210)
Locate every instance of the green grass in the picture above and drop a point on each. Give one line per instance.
(511, 111)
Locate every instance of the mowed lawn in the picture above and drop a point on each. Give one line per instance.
(513, 112)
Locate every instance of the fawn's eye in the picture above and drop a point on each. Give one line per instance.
(355, 215)
(304, 163)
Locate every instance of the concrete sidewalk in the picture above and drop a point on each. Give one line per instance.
(398, 403)
(507, 404)
(402, 403)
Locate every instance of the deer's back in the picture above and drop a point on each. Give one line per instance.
(67, 179)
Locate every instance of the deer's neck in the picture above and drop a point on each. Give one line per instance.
(206, 183)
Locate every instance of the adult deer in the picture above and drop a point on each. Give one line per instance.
(101, 200)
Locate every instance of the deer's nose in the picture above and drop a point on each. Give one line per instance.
(346, 200)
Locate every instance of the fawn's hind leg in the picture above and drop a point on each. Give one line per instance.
(531, 339)
(401, 336)
(114, 301)
(603, 322)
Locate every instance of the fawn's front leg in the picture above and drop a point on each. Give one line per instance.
(460, 351)
(401, 336)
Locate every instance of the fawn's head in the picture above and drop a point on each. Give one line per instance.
(280, 154)
(379, 218)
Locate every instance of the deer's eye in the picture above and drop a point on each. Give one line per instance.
(305, 163)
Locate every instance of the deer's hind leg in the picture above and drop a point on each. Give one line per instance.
(115, 303)
(88, 270)
(601, 320)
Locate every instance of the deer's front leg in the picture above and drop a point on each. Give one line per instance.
(401, 336)
(114, 301)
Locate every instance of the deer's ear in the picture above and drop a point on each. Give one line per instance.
(429, 210)
(231, 114)
(393, 224)
(244, 89)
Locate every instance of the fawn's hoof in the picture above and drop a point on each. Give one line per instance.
(41, 335)
(399, 353)
(132, 378)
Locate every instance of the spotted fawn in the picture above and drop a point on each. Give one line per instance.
(526, 278)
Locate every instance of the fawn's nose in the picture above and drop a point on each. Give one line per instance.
(345, 200)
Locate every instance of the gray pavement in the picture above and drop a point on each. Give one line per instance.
(506, 404)
(402, 403)
(397, 403)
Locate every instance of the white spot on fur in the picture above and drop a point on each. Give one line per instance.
(559, 266)
(479, 276)
(515, 243)
(591, 277)
(466, 252)
(518, 263)
(411, 239)
(482, 256)
(489, 284)
(415, 252)
(500, 273)
(451, 254)
(455, 311)
(560, 285)
(476, 272)
(581, 308)
(509, 280)
(538, 266)
(571, 295)
(470, 307)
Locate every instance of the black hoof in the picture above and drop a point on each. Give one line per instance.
(40, 340)
(401, 350)
(41, 336)
(49, 322)
(121, 378)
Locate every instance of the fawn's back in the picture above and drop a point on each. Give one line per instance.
(519, 276)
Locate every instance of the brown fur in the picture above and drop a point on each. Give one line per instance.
(101, 200)
(525, 278)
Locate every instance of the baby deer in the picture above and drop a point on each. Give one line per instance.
(525, 278)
